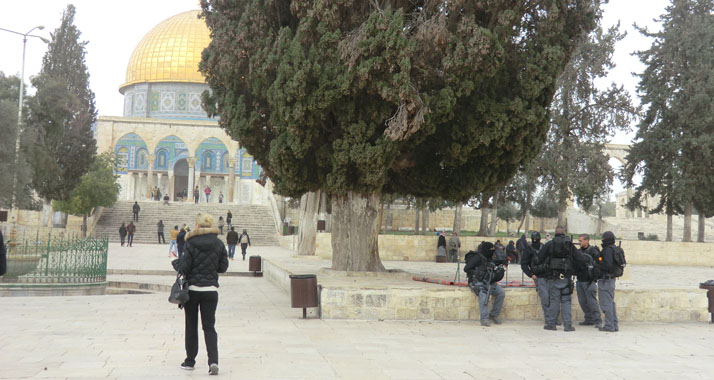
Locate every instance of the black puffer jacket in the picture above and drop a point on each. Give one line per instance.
(204, 257)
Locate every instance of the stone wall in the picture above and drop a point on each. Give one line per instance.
(423, 248)
(450, 304)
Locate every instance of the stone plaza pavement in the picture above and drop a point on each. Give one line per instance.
(140, 336)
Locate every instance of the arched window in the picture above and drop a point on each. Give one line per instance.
(162, 159)
(207, 160)
(142, 159)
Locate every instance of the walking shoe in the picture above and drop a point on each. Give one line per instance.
(586, 323)
(569, 328)
(549, 327)
(186, 366)
(496, 320)
(485, 323)
(607, 329)
(213, 369)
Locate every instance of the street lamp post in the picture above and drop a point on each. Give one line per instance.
(18, 137)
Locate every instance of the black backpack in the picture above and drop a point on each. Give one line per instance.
(561, 255)
(618, 255)
(500, 256)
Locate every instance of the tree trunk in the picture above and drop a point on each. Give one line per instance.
(520, 224)
(457, 219)
(687, 233)
(542, 225)
(528, 223)
(424, 221)
(416, 220)
(389, 218)
(562, 214)
(669, 227)
(599, 220)
(494, 217)
(46, 217)
(508, 229)
(309, 205)
(701, 227)
(483, 225)
(355, 232)
(84, 226)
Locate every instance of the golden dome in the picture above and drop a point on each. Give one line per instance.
(170, 52)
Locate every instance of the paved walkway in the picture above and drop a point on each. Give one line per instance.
(261, 337)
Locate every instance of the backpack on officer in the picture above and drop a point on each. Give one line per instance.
(618, 256)
(560, 254)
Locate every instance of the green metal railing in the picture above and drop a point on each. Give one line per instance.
(58, 260)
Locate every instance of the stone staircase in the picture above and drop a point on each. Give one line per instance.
(257, 219)
(627, 228)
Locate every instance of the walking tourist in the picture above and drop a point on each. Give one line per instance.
(220, 197)
(160, 231)
(229, 219)
(180, 240)
(172, 243)
(205, 257)
(130, 229)
(196, 195)
(122, 233)
(135, 209)
(207, 190)
(244, 241)
(221, 223)
(232, 241)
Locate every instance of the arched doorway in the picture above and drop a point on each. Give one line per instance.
(181, 179)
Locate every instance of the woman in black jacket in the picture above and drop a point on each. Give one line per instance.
(204, 257)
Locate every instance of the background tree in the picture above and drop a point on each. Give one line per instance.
(362, 98)
(673, 146)
(545, 206)
(9, 89)
(62, 112)
(307, 227)
(583, 117)
(508, 212)
(521, 191)
(97, 188)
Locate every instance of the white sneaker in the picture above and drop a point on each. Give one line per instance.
(213, 369)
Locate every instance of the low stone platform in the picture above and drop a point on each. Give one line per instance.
(655, 294)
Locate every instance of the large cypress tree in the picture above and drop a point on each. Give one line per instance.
(62, 112)
(362, 98)
(674, 146)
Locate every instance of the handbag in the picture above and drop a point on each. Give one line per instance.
(179, 291)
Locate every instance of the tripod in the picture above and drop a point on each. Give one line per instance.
(457, 275)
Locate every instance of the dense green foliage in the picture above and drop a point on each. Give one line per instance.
(62, 113)
(674, 146)
(426, 98)
(9, 92)
(98, 187)
(583, 116)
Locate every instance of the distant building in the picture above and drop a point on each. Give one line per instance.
(165, 138)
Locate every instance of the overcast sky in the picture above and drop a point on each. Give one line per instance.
(113, 28)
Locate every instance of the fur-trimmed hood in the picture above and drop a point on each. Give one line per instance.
(202, 231)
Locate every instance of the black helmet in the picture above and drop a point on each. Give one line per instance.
(535, 236)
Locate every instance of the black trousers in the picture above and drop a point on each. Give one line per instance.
(122, 239)
(243, 247)
(161, 237)
(136, 216)
(206, 302)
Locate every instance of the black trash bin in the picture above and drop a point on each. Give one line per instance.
(303, 291)
(709, 287)
(255, 264)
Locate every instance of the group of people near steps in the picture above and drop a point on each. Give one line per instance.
(553, 267)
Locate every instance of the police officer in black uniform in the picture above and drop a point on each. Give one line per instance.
(586, 286)
(483, 274)
(606, 282)
(559, 254)
(535, 268)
